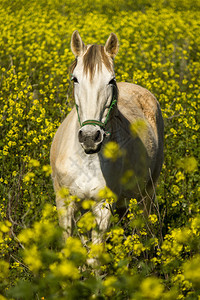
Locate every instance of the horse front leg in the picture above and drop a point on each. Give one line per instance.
(102, 213)
(66, 213)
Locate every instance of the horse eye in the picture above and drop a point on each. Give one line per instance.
(112, 81)
(74, 79)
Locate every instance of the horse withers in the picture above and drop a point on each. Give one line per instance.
(105, 111)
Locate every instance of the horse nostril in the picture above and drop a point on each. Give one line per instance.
(97, 136)
(80, 136)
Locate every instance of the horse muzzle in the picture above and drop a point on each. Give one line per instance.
(91, 137)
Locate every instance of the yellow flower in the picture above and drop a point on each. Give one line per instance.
(34, 163)
(112, 151)
(138, 128)
(87, 222)
(47, 169)
(28, 177)
(4, 270)
(33, 259)
(151, 288)
(189, 164)
(108, 195)
(65, 269)
(88, 204)
(192, 270)
(109, 285)
(153, 219)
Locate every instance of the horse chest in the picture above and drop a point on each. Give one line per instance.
(83, 177)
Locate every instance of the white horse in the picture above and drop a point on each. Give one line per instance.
(103, 112)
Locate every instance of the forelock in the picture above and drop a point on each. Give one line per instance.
(93, 59)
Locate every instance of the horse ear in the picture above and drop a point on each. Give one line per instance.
(112, 45)
(77, 44)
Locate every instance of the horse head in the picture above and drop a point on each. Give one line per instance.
(95, 89)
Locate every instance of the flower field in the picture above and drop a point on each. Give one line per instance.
(156, 258)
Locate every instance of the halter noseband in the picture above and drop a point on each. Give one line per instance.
(95, 122)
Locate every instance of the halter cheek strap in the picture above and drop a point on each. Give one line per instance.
(95, 122)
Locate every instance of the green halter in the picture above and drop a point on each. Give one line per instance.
(95, 122)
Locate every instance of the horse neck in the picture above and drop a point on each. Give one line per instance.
(114, 124)
(119, 127)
